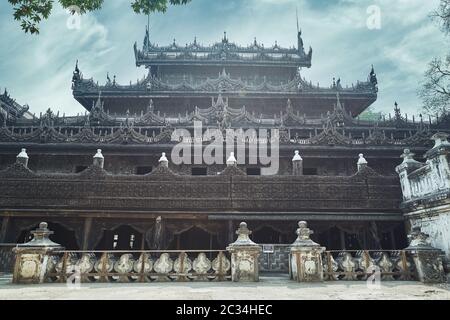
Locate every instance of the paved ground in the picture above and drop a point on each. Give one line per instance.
(270, 288)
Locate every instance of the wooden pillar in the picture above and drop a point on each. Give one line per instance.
(342, 239)
(329, 245)
(365, 239)
(178, 241)
(230, 231)
(4, 228)
(143, 241)
(86, 233)
(393, 244)
(210, 241)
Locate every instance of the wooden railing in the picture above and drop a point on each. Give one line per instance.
(138, 266)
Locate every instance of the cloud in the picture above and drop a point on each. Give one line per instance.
(38, 70)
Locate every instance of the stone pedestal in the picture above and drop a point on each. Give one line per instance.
(297, 164)
(427, 259)
(306, 257)
(32, 257)
(244, 256)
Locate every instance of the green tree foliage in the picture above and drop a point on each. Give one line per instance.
(31, 13)
(370, 115)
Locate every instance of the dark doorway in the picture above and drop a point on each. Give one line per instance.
(199, 171)
(79, 169)
(352, 242)
(253, 171)
(268, 235)
(310, 171)
(61, 235)
(143, 170)
(332, 239)
(195, 239)
(121, 238)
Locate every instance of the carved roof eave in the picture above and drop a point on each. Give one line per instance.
(290, 63)
(150, 119)
(232, 171)
(212, 86)
(221, 53)
(422, 137)
(330, 136)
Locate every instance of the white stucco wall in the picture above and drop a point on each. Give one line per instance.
(438, 227)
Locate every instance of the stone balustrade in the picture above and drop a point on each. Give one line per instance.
(43, 261)
(420, 180)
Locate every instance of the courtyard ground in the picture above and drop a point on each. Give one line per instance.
(269, 288)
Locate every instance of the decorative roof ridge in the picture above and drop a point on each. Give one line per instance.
(17, 170)
(224, 81)
(232, 171)
(366, 172)
(94, 172)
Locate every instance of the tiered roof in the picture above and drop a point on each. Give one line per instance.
(222, 53)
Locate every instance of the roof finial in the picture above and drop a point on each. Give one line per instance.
(296, 13)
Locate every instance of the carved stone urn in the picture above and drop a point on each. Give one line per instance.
(306, 256)
(244, 256)
(33, 257)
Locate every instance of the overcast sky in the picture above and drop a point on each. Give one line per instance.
(37, 70)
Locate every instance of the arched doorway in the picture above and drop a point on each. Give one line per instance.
(62, 235)
(194, 238)
(121, 238)
(269, 235)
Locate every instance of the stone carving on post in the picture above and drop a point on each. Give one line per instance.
(297, 164)
(427, 259)
(244, 256)
(306, 256)
(33, 257)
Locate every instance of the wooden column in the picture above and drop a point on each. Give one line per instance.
(342, 239)
(393, 240)
(86, 233)
(230, 232)
(143, 241)
(4, 228)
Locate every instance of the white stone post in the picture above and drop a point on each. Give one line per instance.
(297, 164)
(22, 158)
(362, 162)
(427, 259)
(163, 161)
(306, 257)
(231, 161)
(99, 160)
(244, 256)
(439, 153)
(32, 257)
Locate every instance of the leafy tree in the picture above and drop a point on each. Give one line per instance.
(435, 91)
(371, 115)
(30, 13)
(442, 15)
